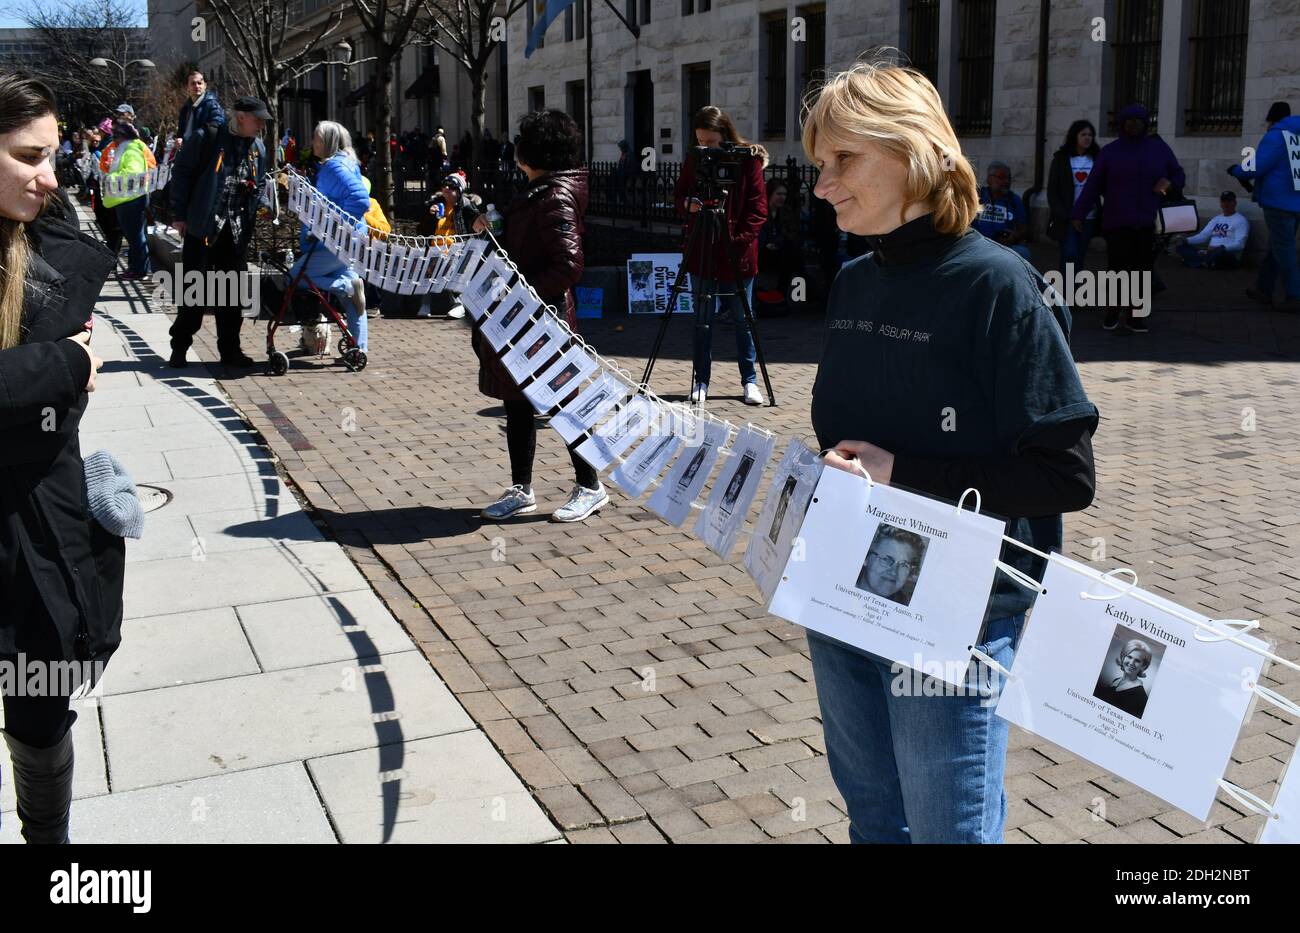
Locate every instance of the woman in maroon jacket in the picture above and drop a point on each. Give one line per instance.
(746, 214)
(543, 237)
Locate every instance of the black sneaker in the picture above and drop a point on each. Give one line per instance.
(1254, 294)
(1111, 320)
(178, 360)
(238, 359)
(1138, 325)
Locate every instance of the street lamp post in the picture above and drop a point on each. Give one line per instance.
(105, 62)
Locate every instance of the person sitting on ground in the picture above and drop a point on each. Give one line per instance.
(1221, 242)
(339, 181)
(452, 213)
(1002, 216)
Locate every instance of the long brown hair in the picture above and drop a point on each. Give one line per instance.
(22, 100)
(718, 120)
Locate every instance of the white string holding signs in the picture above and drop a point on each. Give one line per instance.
(133, 184)
(911, 583)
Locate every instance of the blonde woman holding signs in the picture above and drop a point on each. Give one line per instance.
(942, 369)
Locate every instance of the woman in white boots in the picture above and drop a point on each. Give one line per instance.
(60, 569)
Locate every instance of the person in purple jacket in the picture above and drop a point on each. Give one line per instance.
(1131, 175)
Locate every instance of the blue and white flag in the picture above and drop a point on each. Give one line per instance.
(545, 12)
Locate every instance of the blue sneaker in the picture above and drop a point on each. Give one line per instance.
(515, 501)
(582, 503)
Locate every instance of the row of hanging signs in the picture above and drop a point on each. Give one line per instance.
(1146, 689)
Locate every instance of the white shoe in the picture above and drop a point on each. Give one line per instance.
(701, 393)
(457, 311)
(425, 311)
(752, 395)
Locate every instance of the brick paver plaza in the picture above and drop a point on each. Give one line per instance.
(630, 676)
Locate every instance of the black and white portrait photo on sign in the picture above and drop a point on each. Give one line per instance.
(782, 505)
(734, 490)
(1129, 671)
(489, 285)
(682, 484)
(737, 483)
(783, 510)
(1117, 675)
(911, 588)
(893, 563)
(579, 415)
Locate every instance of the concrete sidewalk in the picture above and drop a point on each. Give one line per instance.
(263, 692)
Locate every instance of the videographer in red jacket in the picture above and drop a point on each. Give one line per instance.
(746, 214)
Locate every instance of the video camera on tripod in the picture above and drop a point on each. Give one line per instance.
(718, 168)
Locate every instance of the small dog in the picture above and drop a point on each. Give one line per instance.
(317, 338)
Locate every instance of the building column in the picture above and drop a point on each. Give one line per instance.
(1173, 46)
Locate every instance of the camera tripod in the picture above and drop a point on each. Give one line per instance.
(710, 226)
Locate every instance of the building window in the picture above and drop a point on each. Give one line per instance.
(812, 51)
(1216, 78)
(922, 41)
(696, 84)
(580, 19)
(774, 76)
(537, 98)
(532, 19)
(975, 39)
(695, 6)
(1136, 58)
(568, 23)
(637, 11)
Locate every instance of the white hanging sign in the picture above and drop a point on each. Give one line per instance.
(560, 380)
(581, 414)
(734, 490)
(534, 348)
(616, 435)
(466, 264)
(902, 576)
(672, 500)
(488, 285)
(1129, 686)
(788, 495)
(513, 312)
(644, 464)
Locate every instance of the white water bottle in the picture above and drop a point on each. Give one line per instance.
(496, 223)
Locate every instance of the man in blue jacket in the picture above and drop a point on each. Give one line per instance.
(215, 192)
(200, 108)
(1277, 189)
(1131, 174)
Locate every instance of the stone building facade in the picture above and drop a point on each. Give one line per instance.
(1208, 69)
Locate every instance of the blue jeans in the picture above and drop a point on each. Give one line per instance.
(745, 353)
(1281, 254)
(1074, 248)
(131, 218)
(357, 321)
(915, 768)
(1219, 259)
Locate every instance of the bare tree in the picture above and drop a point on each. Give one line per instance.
(258, 32)
(388, 24)
(73, 33)
(467, 30)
